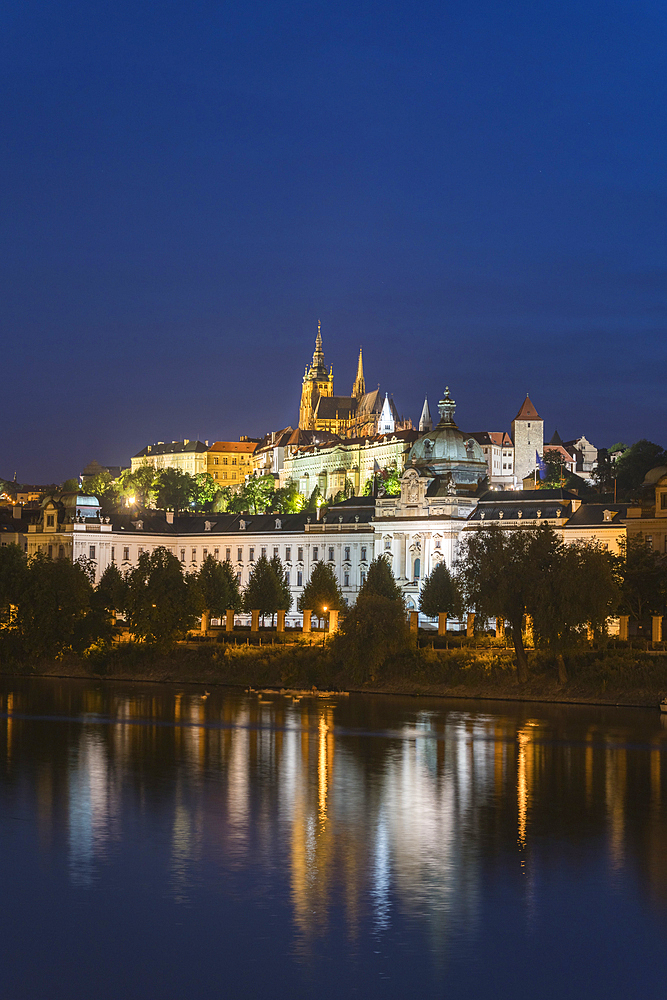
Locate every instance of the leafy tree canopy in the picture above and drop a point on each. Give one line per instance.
(70, 486)
(159, 602)
(104, 488)
(380, 581)
(439, 593)
(387, 481)
(631, 468)
(315, 500)
(499, 571)
(111, 591)
(255, 495)
(174, 489)
(13, 576)
(139, 485)
(263, 592)
(288, 500)
(374, 629)
(529, 571)
(54, 612)
(216, 588)
(205, 490)
(643, 573)
(321, 591)
(281, 577)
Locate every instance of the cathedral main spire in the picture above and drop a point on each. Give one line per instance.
(359, 387)
(318, 353)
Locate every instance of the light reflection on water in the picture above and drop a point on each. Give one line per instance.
(396, 841)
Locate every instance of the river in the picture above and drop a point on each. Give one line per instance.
(161, 842)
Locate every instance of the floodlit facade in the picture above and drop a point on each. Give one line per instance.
(188, 456)
(229, 462)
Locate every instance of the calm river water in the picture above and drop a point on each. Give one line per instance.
(160, 844)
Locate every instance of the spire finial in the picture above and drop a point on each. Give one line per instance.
(359, 387)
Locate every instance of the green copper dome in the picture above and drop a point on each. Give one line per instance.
(445, 451)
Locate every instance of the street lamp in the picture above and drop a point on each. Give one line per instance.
(324, 608)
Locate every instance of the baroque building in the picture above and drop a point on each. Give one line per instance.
(332, 464)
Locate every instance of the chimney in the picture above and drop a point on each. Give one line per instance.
(169, 516)
(17, 510)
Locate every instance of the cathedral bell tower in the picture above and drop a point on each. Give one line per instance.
(316, 382)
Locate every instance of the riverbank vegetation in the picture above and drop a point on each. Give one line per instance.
(551, 601)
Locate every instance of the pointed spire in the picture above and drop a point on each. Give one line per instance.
(425, 421)
(387, 423)
(318, 354)
(359, 387)
(527, 411)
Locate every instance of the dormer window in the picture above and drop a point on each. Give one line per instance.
(49, 520)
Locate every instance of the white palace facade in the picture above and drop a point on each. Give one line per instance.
(443, 494)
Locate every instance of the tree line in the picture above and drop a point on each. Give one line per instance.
(173, 489)
(525, 574)
(49, 607)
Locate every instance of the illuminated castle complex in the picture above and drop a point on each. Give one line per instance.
(362, 414)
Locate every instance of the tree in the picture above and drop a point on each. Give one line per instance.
(217, 589)
(557, 471)
(285, 589)
(174, 489)
(439, 593)
(346, 492)
(315, 500)
(104, 488)
(374, 629)
(138, 486)
(500, 572)
(205, 490)
(263, 592)
(70, 486)
(288, 500)
(322, 591)
(635, 462)
(223, 499)
(380, 581)
(111, 591)
(254, 496)
(159, 602)
(54, 611)
(643, 573)
(13, 577)
(578, 592)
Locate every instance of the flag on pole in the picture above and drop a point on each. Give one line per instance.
(541, 465)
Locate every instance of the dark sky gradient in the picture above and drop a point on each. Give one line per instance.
(476, 192)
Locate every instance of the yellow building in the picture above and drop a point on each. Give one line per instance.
(229, 462)
(188, 456)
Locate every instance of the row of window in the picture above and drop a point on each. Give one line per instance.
(239, 553)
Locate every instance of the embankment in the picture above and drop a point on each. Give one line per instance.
(616, 677)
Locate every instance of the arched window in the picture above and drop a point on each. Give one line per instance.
(417, 569)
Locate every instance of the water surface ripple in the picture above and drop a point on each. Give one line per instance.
(158, 842)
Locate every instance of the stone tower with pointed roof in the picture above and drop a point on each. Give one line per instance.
(425, 421)
(317, 382)
(528, 438)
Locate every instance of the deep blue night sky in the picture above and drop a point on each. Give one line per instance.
(475, 192)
